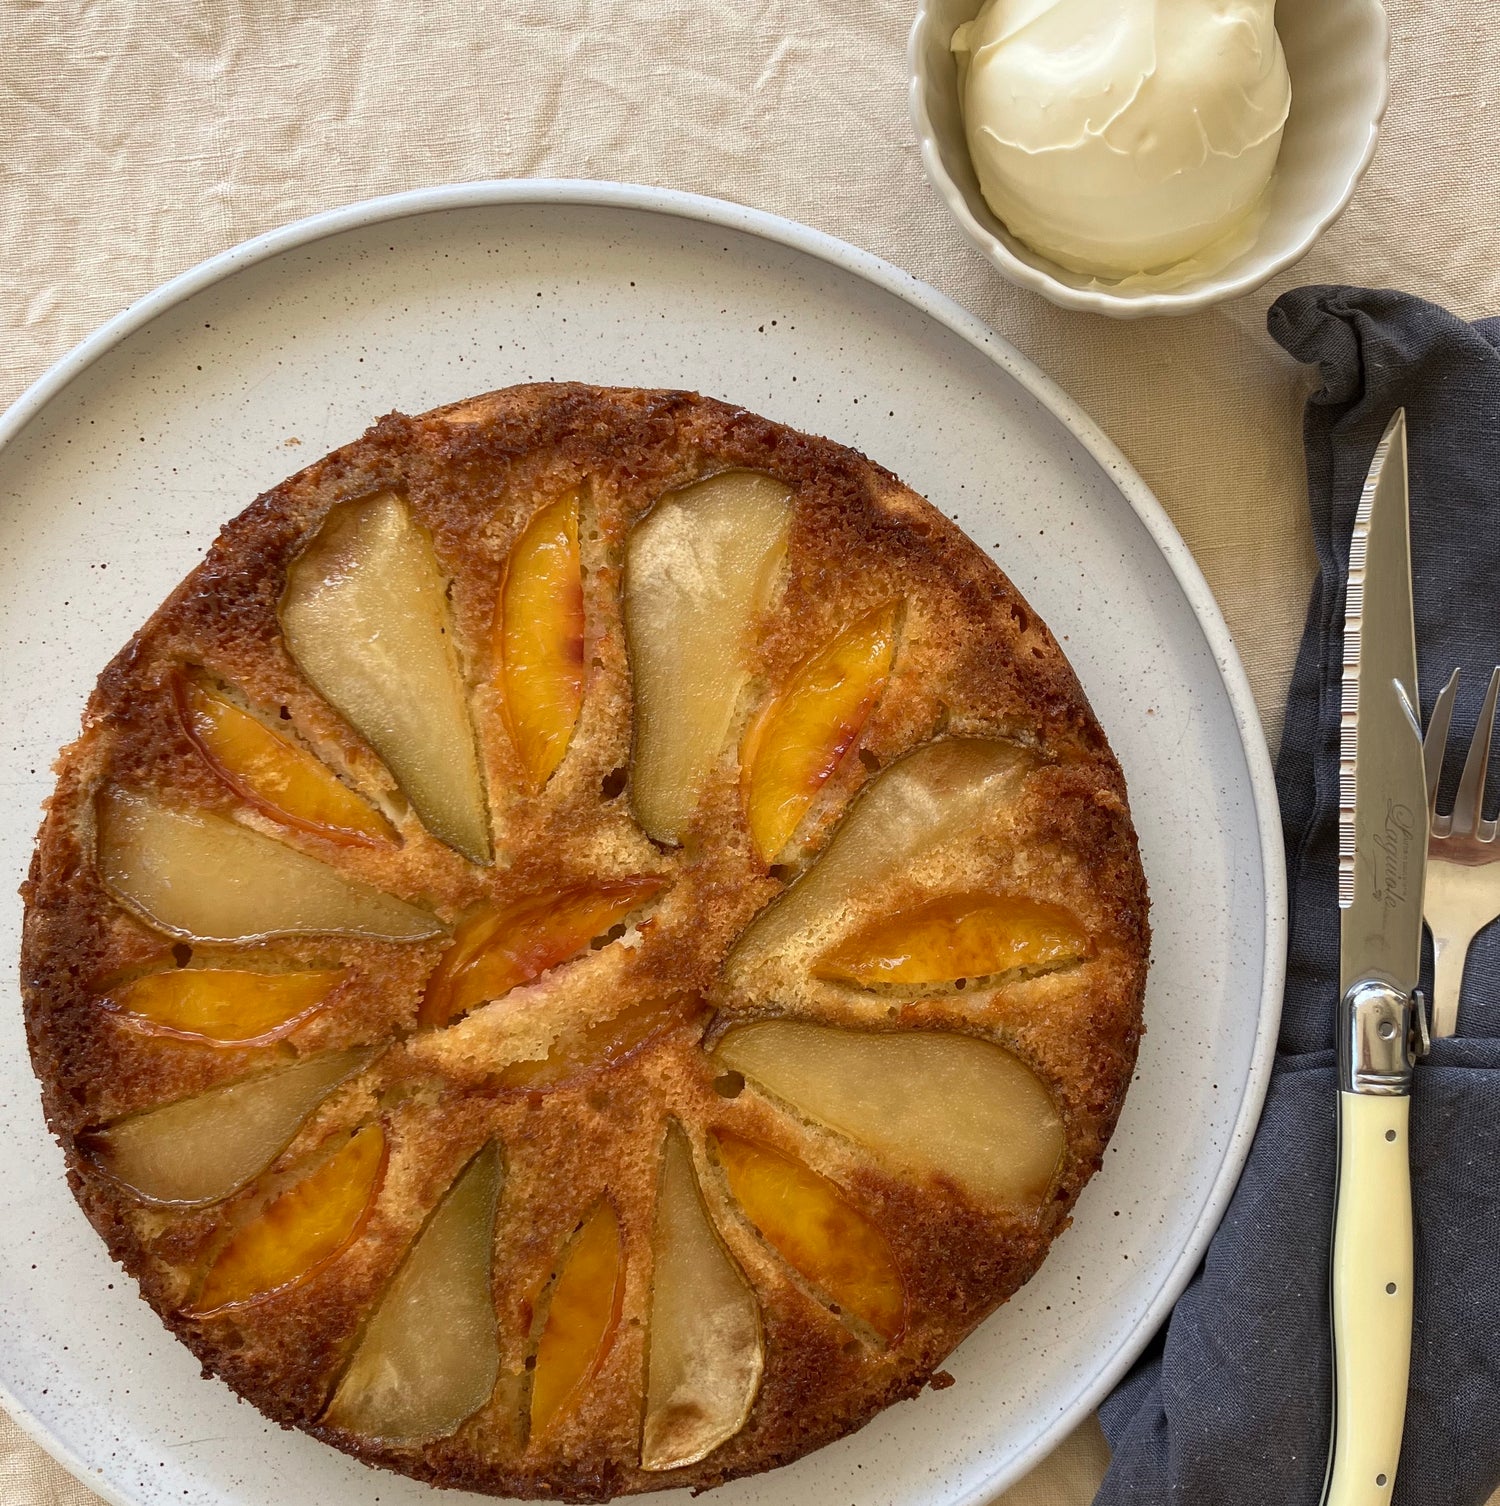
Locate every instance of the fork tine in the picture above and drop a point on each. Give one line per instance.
(1467, 807)
(1435, 744)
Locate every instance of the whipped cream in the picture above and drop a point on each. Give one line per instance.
(1118, 137)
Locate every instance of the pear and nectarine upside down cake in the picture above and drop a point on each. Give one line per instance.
(585, 946)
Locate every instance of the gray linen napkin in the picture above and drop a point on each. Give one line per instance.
(1230, 1404)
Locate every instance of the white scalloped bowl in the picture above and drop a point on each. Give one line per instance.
(1338, 55)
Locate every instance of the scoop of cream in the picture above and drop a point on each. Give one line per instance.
(1121, 136)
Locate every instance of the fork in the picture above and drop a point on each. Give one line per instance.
(1463, 883)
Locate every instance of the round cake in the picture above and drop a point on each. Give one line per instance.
(585, 946)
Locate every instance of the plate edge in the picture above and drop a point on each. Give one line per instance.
(674, 203)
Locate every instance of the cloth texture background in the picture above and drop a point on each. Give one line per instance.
(139, 136)
(1237, 1389)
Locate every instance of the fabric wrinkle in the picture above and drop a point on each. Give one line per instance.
(1251, 1332)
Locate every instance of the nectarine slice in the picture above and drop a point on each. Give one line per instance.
(934, 1104)
(538, 639)
(930, 797)
(817, 1231)
(223, 1005)
(194, 874)
(957, 936)
(500, 947)
(272, 773)
(297, 1234)
(365, 615)
(430, 1354)
(600, 1044)
(706, 1351)
(699, 570)
(581, 1318)
(200, 1149)
(800, 737)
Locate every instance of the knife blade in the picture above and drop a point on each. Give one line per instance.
(1382, 866)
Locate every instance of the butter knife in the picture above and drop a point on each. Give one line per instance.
(1381, 1017)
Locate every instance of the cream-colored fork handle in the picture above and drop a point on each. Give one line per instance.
(1372, 1299)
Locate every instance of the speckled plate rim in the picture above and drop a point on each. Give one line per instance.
(1100, 300)
(937, 306)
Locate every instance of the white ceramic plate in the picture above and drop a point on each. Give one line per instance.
(117, 469)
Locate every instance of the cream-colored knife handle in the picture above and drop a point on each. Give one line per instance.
(1372, 1298)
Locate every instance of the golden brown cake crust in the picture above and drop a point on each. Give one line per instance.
(974, 661)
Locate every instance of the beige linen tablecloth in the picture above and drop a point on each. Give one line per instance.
(139, 136)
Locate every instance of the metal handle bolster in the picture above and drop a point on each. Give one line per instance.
(1376, 1026)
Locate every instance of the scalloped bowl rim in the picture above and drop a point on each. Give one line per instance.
(1184, 300)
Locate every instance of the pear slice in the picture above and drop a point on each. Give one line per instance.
(698, 571)
(365, 615)
(296, 1235)
(194, 874)
(940, 792)
(200, 1149)
(707, 1352)
(928, 1103)
(430, 1354)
